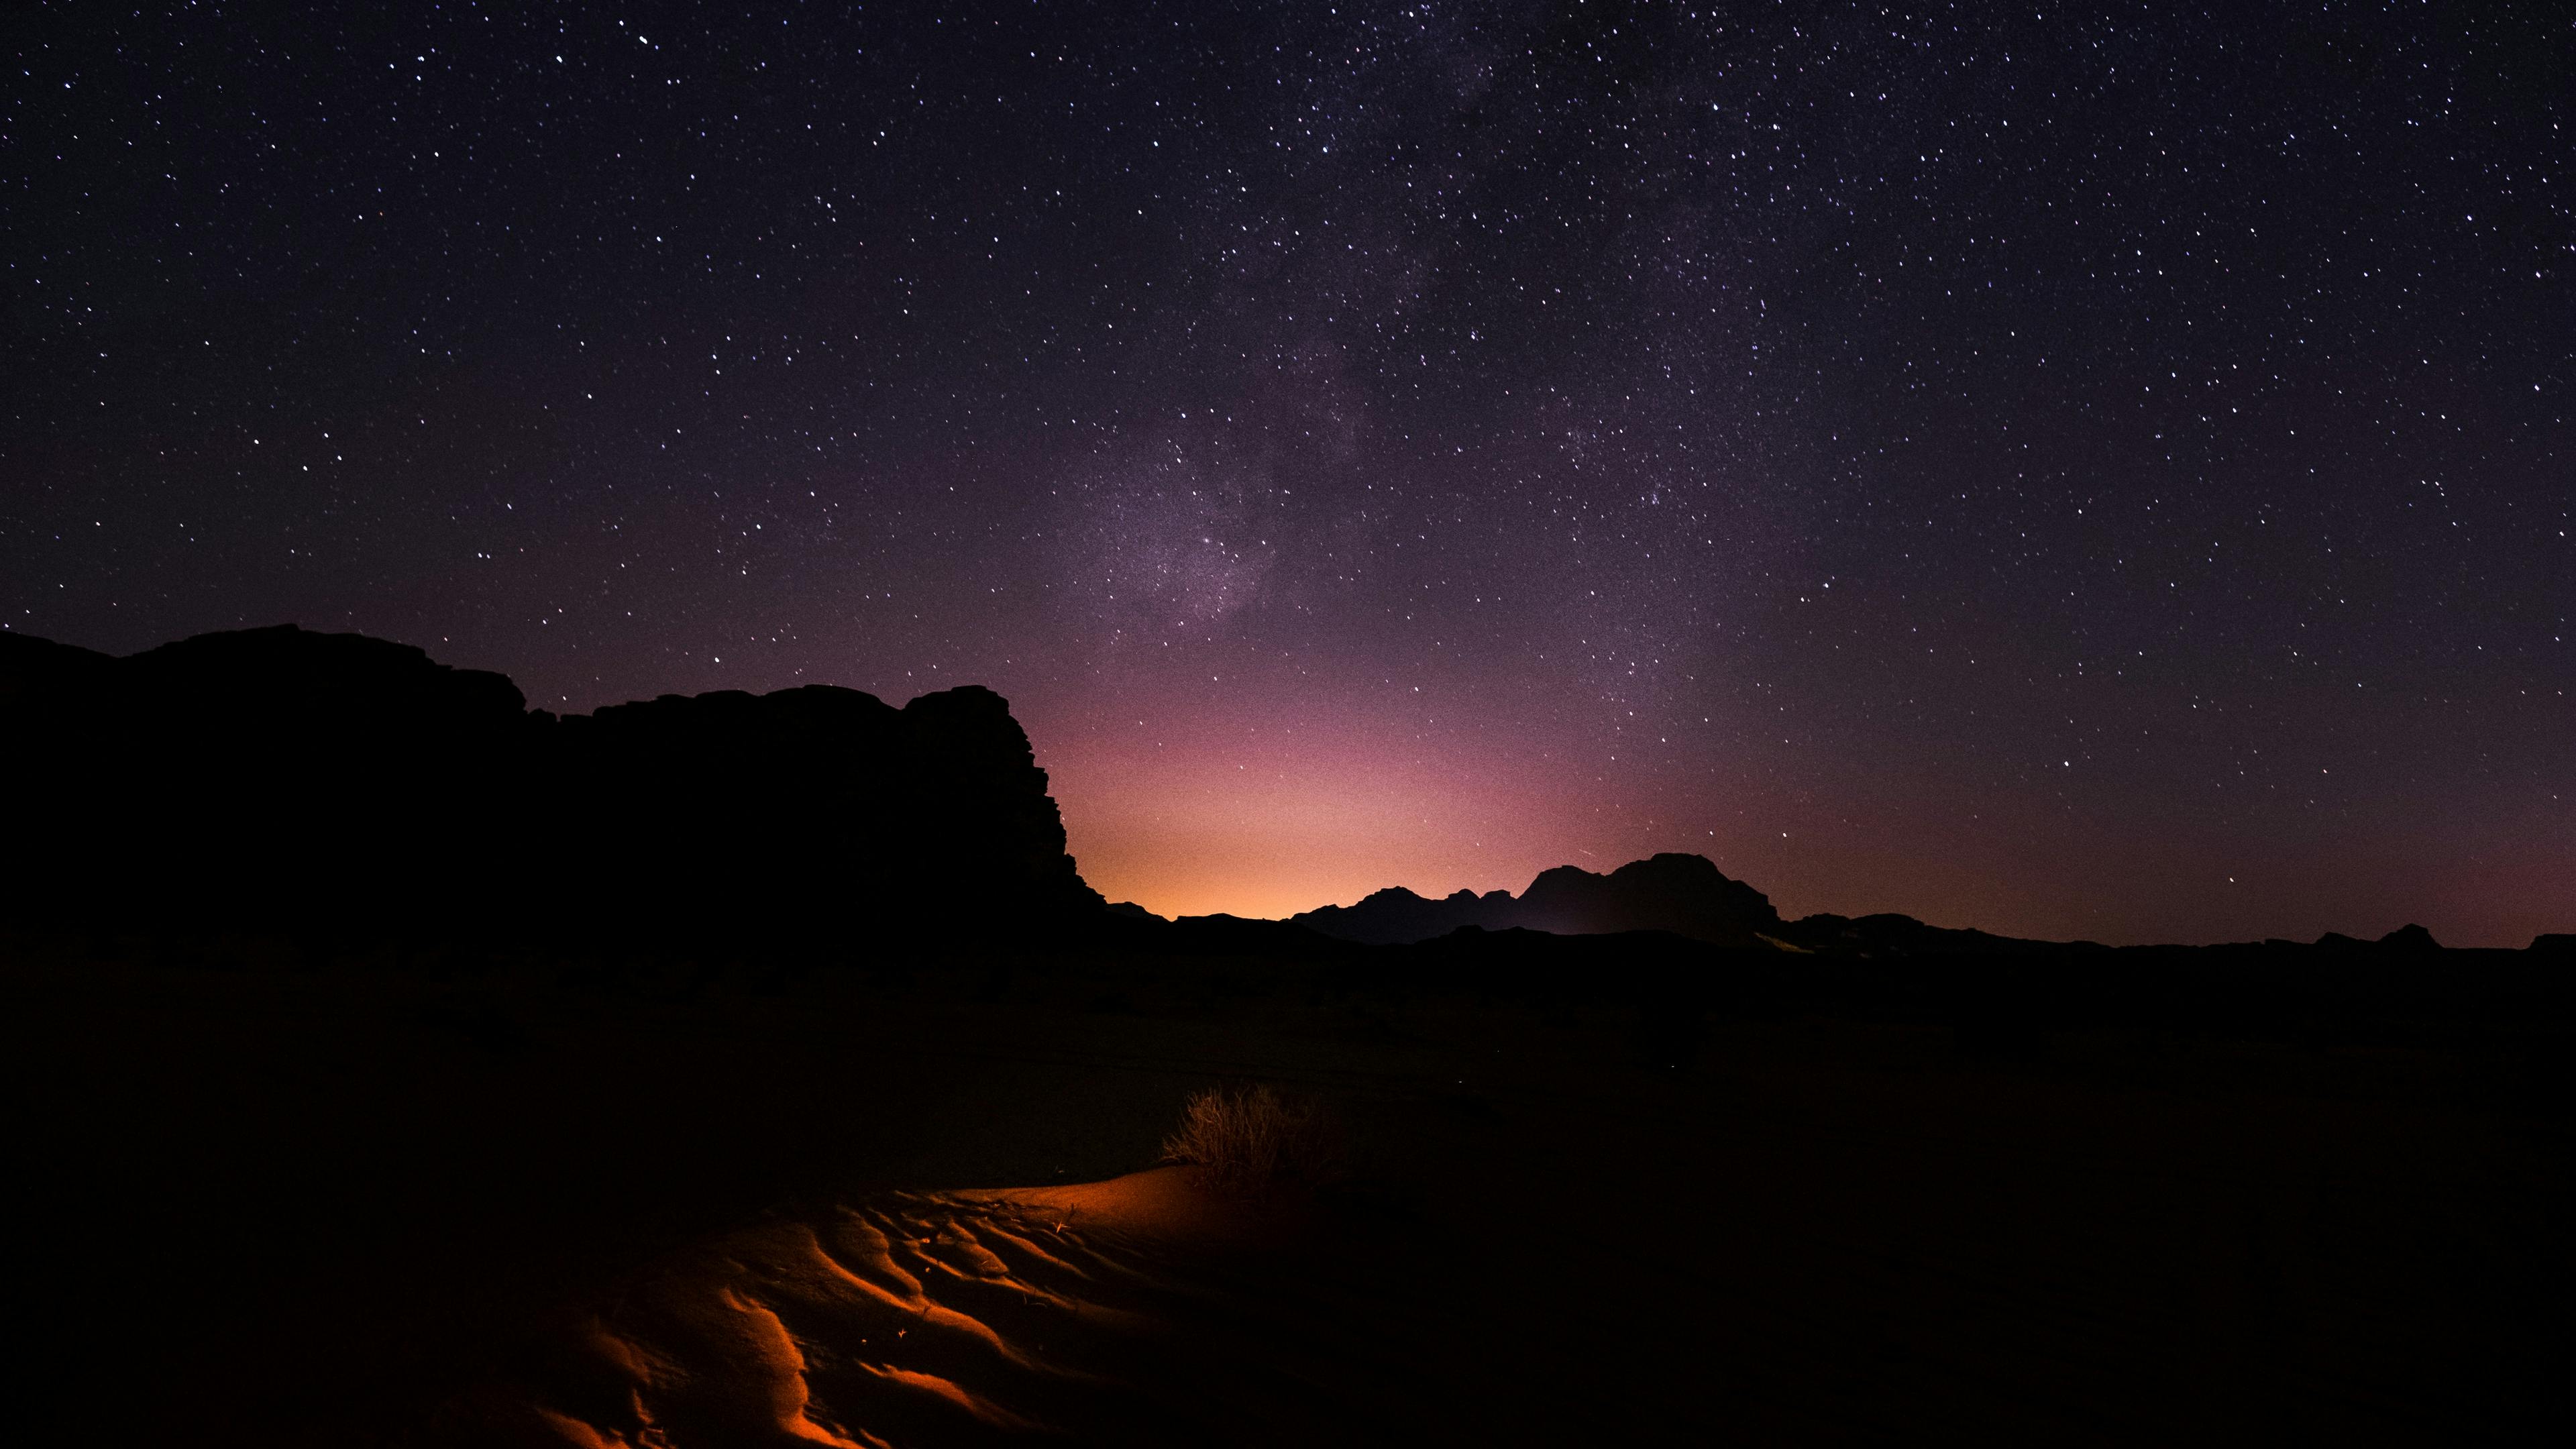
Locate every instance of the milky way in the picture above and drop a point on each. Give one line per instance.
(2088, 472)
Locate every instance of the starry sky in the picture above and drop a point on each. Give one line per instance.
(2088, 472)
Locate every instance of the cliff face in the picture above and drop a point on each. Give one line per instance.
(274, 779)
(813, 809)
(1683, 894)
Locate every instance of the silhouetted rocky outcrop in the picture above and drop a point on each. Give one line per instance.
(281, 781)
(35, 672)
(1888, 934)
(2409, 937)
(1682, 894)
(1685, 895)
(2406, 940)
(277, 779)
(1396, 915)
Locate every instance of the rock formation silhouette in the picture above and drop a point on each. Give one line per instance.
(1395, 915)
(283, 780)
(2411, 938)
(2406, 940)
(1683, 894)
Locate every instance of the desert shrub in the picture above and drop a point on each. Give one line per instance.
(1257, 1139)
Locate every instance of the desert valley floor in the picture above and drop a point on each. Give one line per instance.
(273, 1201)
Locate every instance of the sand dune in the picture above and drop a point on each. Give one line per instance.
(1139, 1310)
(1981, 1260)
(286, 1208)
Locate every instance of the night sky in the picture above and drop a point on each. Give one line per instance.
(2085, 472)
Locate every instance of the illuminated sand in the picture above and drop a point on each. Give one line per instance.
(275, 1207)
(943, 1318)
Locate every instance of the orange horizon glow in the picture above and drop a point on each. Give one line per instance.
(1192, 811)
(1318, 806)
(1198, 814)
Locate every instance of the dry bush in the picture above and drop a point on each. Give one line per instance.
(1257, 1139)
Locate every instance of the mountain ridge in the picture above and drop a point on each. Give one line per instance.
(1684, 894)
(285, 778)
(280, 778)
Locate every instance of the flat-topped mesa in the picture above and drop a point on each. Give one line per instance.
(278, 779)
(1683, 894)
(818, 808)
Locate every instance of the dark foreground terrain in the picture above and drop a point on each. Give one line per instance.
(271, 1193)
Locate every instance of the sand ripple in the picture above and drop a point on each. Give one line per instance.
(928, 1319)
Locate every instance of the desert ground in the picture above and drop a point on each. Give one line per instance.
(279, 1195)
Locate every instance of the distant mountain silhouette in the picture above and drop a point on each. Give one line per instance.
(1395, 915)
(1683, 894)
(2409, 939)
(1687, 896)
(283, 779)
